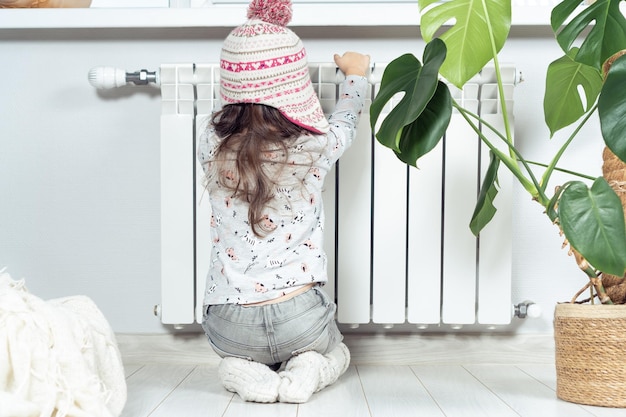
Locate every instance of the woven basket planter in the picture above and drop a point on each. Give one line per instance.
(590, 343)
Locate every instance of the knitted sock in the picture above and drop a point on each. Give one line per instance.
(301, 377)
(310, 372)
(337, 362)
(253, 381)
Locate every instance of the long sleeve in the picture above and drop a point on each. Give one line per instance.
(344, 120)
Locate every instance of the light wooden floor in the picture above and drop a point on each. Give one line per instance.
(390, 376)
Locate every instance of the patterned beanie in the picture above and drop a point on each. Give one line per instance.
(263, 62)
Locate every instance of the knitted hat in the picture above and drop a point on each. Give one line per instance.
(263, 62)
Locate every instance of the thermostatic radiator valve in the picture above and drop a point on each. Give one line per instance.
(526, 309)
(108, 77)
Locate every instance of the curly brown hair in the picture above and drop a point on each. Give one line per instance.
(252, 154)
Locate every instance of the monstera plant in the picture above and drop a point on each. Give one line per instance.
(587, 210)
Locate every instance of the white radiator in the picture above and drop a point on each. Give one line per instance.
(399, 246)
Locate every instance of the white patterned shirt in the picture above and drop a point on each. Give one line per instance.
(245, 268)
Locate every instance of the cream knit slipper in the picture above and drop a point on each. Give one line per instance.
(310, 372)
(337, 362)
(301, 377)
(253, 381)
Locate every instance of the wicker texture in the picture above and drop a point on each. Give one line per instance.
(590, 343)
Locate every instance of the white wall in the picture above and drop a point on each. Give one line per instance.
(79, 169)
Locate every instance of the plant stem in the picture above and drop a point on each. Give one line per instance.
(596, 281)
(566, 171)
(602, 295)
(501, 98)
(582, 290)
(548, 172)
(532, 186)
(502, 101)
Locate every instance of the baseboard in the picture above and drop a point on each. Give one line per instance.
(366, 349)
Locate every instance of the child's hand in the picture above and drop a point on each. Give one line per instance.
(353, 63)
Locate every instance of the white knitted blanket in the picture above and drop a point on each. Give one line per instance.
(57, 357)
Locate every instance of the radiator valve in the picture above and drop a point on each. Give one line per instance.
(108, 77)
(526, 309)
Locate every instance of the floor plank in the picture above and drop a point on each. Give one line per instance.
(199, 395)
(149, 386)
(345, 398)
(605, 411)
(130, 369)
(239, 408)
(544, 373)
(515, 388)
(396, 391)
(459, 394)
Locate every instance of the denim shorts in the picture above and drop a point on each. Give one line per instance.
(273, 333)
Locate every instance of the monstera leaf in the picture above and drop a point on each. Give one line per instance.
(417, 123)
(477, 33)
(606, 25)
(612, 108)
(562, 103)
(593, 222)
(485, 209)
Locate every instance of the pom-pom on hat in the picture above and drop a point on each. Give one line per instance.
(264, 62)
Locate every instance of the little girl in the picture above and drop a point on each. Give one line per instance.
(265, 156)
